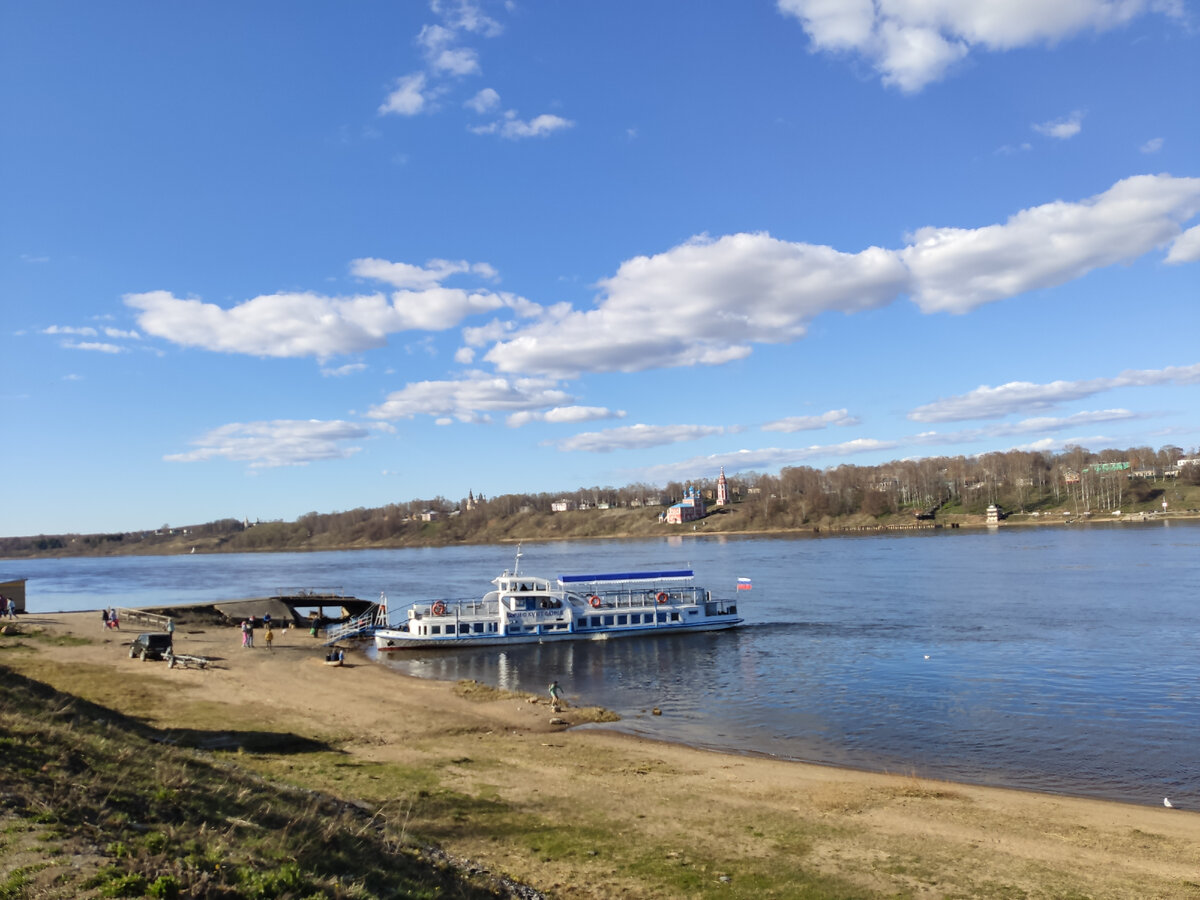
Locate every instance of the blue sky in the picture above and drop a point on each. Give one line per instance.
(261, 259)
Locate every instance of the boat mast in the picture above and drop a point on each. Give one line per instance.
(517, 561)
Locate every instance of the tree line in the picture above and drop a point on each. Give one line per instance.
(1075, 480)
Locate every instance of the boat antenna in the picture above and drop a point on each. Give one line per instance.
(517, 561)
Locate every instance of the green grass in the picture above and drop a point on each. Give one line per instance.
(176, 822)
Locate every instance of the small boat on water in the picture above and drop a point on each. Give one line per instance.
(523, 609)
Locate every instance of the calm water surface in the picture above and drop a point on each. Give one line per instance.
(1054, 659)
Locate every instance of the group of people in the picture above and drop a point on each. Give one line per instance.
(108, 619)
(248, 626)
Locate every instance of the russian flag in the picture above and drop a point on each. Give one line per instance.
(743, 584)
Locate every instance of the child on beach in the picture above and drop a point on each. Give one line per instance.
(269, 636)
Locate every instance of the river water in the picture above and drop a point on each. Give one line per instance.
(1057, 659)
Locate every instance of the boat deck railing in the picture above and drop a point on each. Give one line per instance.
(626, 598)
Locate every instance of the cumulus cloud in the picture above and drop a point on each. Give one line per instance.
(282, 442)
(636, 437)
(987, 402)
(957, 269)
(95, 346)
(78, 331)
(514, 128)
(839, 417)
(1186, 247)
(407, 97)
(1061, 129)
(471, 398)
(311, 324)
(703, 302)
(485, 101)
(1153, 145)
(707, 301)
(456, 61)
(560, 415)
(343, 371)
(912, 44)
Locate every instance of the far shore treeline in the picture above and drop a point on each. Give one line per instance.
(1026, 486)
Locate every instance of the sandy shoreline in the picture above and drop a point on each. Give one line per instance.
(738, 814)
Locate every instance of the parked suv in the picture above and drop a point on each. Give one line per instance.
(150, 645)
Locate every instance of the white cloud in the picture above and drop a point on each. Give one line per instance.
(121, 333)
(839, 417)
(957, 269)
(636, 437)
(96, 346)
(79, 331)
(464, 356)
(1023, 396)
(485, 101)
(705, 302)
(912, 43)
(310, 324)
(466, 15)
(343, 371)
(406, 275)
(1063, 128)
(560, 415)
(514, 128)
(283, 442)
(456, 61)
(702, 303)
(470, 399)
(1153, 145)
(407, 98)
(1186, 247)
(1038, 425)
(34, 260)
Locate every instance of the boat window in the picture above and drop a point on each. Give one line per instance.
(662, 617)
(674, 617)
(635, 619)
(622, 620)
(464, 628)
(435, 629)
(479, 628)
(608, 620)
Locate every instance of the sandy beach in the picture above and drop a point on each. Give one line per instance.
(605, 802)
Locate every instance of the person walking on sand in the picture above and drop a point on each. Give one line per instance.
(104, 618)
(269, 636)
(245, 633)
(555, 691)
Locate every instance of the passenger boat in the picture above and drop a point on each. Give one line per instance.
(523, 609)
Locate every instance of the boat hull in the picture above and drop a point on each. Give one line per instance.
(389, 640)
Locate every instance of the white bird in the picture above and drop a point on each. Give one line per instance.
(1167, 803)
(927, 656)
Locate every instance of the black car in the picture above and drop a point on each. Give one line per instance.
(150, 645)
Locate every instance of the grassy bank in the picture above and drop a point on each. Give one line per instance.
(96, 803)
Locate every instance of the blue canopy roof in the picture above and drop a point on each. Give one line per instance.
(625, 576)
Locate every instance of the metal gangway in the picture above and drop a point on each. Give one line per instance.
(360, 626)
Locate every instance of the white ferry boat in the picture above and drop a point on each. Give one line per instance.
(523, 609)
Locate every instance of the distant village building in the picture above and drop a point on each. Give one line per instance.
(993, 514)
(689, 509)
(430, 515)
(722, 489)
(563, 505)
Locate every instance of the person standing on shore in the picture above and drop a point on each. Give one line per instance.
(555, 691)
(269, 635)
(104, 618)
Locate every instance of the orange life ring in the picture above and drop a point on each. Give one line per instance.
(662, 597)
(595, 601)
(439, 608)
